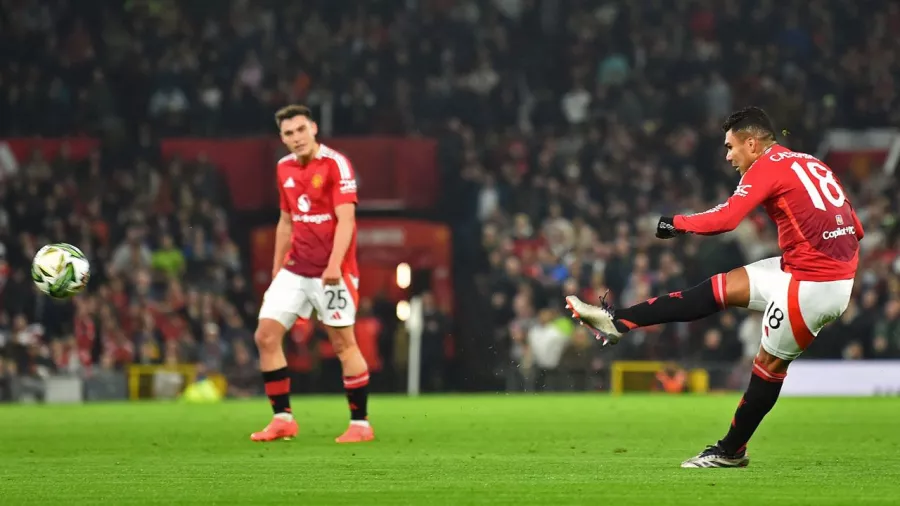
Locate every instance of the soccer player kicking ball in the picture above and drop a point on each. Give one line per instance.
(314, 269)
(798, 293)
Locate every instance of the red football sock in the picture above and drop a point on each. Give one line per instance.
(357, 388)
(278, 389)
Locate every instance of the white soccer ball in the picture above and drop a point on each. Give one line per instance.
(60, 270)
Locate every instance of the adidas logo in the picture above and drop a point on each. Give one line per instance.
(289, 183)
(336, 315)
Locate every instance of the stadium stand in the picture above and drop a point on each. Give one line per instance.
(564, 129)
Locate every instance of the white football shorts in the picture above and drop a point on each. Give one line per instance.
(793, 311)
(291, 296)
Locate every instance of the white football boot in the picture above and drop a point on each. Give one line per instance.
(600, 318)
(715, 456)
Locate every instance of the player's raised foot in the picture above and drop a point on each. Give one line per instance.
(600, 318)
(715, 456)
(356, 433)
(278, 429)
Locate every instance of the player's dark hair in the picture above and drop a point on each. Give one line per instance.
(292, 111)
(751, 120)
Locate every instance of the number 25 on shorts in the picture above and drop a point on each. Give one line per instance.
(337, 299)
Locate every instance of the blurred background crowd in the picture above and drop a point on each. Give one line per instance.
(565, 129)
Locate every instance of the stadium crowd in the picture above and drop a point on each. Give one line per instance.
(566, 128)
(167, 282)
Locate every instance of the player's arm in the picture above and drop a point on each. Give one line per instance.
(343, 195)
(282, 232)
(752, 191)
(343, 233)
(282, 241)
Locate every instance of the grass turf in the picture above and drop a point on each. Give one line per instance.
(450, 450)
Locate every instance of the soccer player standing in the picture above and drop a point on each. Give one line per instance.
(799, 293)
(314, 269)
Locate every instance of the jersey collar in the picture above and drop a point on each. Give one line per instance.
(773, 147)
(319, 154)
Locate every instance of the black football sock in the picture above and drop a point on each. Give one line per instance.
(757, 401)
(357, 388)
(692, 304)
(278, 388)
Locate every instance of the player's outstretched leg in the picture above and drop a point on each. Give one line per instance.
(709, 297)
(356, 384)
(273, 365)
(761, 395)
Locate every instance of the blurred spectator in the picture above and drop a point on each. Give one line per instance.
(750, 336)
(168, 259)
(520, 373)
(672, 379)
(7, 377)
(713, 352)
(242, 374)
(213, 352)
(887, 332)
(131, 255)
(576, 365)
(547, 341)
(435, 329)
(368, 331)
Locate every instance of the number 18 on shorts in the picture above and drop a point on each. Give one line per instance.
(793, 311)
(291, 296)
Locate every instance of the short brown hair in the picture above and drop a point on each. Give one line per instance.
(292, 111)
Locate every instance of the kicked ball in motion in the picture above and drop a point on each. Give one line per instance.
(60, 270)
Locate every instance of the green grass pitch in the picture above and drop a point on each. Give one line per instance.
(450, 450)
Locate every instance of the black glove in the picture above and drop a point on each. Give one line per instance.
(665, 229)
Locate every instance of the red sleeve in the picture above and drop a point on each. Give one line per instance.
(752, 191)
(282, 197)
(343, 188)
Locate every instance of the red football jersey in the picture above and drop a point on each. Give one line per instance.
(818, 231)
(310, 193)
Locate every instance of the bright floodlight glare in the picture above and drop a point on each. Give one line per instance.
(403, 310)
(404, 275)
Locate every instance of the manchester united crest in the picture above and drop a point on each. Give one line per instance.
(317, 181)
